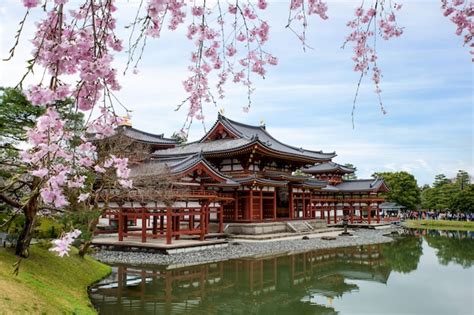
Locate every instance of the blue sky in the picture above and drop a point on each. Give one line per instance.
(306, 100)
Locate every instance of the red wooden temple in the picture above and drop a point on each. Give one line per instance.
(240, 173)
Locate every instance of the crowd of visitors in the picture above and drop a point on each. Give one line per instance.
(434, 215)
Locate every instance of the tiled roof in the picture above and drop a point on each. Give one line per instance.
(249, 133)
(362, 185)
(204, 147)
(265, 181)
(328, 167)
(143, 136)
(175, 165)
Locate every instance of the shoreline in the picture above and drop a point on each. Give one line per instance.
(248, 249)
(439, 225)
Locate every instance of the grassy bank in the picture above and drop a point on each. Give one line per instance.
(48, 284)
(440, 225)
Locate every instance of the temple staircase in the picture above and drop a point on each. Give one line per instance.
(300, 226)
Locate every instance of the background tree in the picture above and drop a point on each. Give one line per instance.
(352, 175)
(403, 188)
(463, 200)
(449, 195)
(16, 115)
(428, 198)
(19, 189)
(462, 179)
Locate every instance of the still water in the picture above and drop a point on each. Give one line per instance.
(428, 272)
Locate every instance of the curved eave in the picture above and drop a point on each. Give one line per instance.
(226, 122)
(309, 185)
(336, 168)
(201, 162)
(265, 149)
(261, 181)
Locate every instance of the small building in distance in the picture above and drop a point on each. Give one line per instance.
(392, 209)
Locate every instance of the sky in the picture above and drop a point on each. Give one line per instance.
(306, 100)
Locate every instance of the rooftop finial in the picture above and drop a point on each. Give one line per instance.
(126, 121)
(221, 111)
(262, 123)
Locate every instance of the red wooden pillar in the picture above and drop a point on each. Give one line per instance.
(236, 206)
(168, 225)
(201, 222)
(221, 219)
(274, 203)
(125, 223)
(191, 221)
(378, 212)
(329, 214)
(352, 209)
(143, 225)
(291, 203)
(251, 204)
(261, 203)
(369, 218)
(208, 215)
(162, 222)
(120, 225)
(177, 224)
(155, 225)
(303, 207)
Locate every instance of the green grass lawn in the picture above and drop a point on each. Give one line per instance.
(48, 284)
(440, 224)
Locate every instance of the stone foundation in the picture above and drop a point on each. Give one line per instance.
(267, 228)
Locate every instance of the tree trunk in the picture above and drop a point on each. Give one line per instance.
(87, 244)
(24, 240)
(30, 211)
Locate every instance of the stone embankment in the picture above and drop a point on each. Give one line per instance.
(241, 249)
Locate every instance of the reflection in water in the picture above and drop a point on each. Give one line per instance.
(305, 283)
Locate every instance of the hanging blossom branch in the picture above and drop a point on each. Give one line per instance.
(363, 38)
(75, 43)
(299, 12)
(461, 13)
(229, 41)
(62, 245)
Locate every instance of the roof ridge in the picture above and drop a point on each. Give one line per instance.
(269, 135)
(161, 136)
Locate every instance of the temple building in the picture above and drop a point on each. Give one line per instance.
(239, 174)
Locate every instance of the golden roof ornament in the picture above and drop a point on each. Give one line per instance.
(126, 121)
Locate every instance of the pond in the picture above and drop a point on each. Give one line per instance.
(427, 272)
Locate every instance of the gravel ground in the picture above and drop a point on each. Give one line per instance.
(238, 249)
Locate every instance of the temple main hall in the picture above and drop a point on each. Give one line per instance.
(236, 175)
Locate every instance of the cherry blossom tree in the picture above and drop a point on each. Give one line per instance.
(75, 44)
